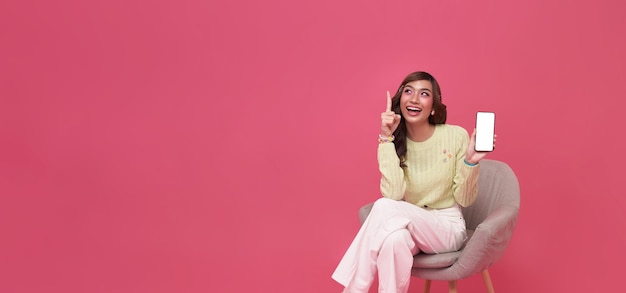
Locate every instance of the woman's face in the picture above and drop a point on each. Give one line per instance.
(416, 101)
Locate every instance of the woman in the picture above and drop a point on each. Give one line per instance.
(429, 169)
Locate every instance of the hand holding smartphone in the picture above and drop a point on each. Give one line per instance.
(485, 130)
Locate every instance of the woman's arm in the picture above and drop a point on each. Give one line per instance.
(392, 181)
(465, 185)
(392, 184)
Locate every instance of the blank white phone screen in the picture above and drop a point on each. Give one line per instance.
(485, 126)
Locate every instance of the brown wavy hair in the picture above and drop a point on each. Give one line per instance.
(438, 118)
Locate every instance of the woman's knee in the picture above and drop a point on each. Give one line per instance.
(383, 203)
(399, 239)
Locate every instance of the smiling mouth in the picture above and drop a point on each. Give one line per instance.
(413, 109)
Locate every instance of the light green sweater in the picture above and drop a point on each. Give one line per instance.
(435, 175)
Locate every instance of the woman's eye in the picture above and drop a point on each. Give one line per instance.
(408, 91)
(425, 94)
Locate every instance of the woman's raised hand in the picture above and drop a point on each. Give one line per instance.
(471, 155)
(390, 120)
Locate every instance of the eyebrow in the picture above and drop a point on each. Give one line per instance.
(422, 89)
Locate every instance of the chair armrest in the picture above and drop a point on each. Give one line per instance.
(364, 211)
(489, 241)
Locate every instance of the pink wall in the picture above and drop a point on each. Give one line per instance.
(195, 146)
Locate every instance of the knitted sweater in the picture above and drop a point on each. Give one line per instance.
(435, 175)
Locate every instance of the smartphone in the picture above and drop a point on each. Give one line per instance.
(485, 128)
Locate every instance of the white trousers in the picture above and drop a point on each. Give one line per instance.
(391, 235)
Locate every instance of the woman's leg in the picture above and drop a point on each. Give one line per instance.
(358, 267)
(395, 261)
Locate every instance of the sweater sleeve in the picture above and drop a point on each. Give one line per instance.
(465, 185)
(392, 181)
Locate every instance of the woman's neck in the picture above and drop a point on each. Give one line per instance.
(420, 133)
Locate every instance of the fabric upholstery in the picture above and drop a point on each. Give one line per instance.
(490, 223)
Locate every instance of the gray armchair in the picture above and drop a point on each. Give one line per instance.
(490, 223)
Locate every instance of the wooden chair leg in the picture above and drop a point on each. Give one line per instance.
(487, 280)
(426, 286)
(452, 286)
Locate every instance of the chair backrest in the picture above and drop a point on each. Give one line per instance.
(497, 186)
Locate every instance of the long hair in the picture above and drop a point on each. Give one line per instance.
(438, 118)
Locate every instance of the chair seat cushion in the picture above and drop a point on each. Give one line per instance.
(440, 260)
(435, 261)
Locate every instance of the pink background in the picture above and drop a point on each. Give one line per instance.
(226, 146)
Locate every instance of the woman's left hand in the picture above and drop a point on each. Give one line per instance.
(471, 155)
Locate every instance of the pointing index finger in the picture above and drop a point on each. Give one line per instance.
(388, 102)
